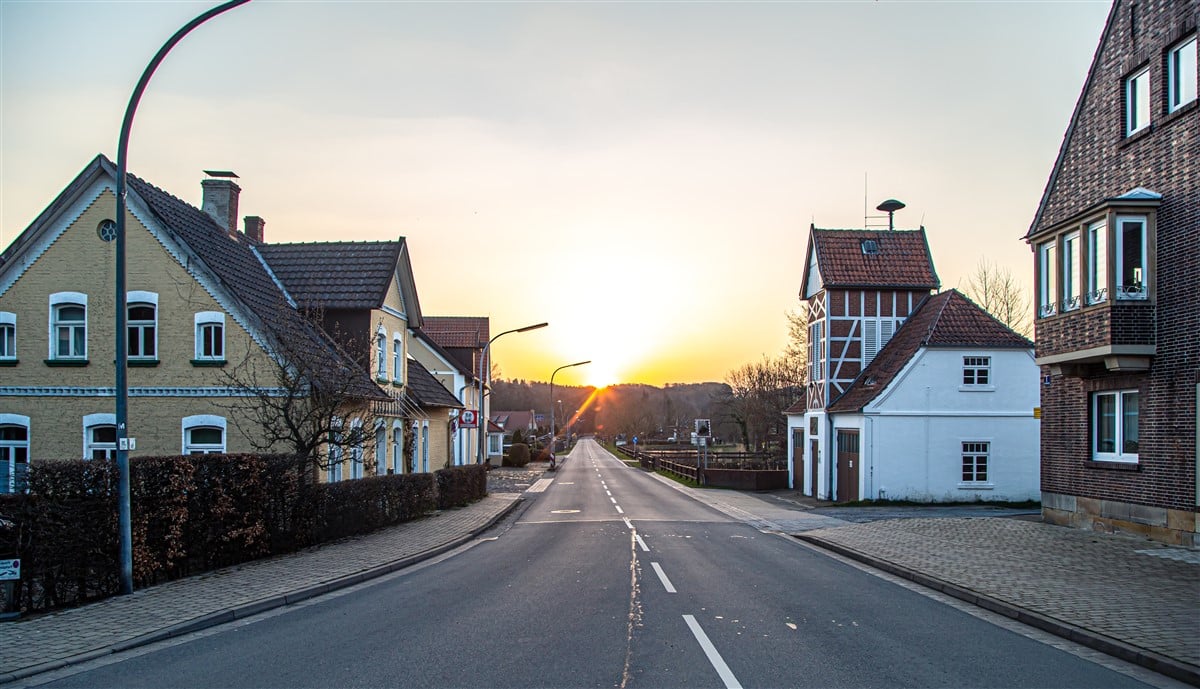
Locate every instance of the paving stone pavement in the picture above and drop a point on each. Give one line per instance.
(45, 642)
(1131, 598)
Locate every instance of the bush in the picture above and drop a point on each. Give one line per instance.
(518, 455)
(461, 486)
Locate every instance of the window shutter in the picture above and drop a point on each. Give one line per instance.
(870, 340)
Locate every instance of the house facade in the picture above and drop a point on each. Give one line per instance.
(452, 375)
(463, 339)
(912, 395)
(1117, 272)
(209, 320)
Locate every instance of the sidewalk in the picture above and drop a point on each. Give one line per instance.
(1130, 598)
(47, 642)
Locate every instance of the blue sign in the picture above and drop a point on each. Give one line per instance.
(635, 440)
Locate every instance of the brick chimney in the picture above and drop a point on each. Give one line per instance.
(254, 228)
(220, 199)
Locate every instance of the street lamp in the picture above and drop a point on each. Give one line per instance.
(577, 363)
(483, 418)
(124, 519)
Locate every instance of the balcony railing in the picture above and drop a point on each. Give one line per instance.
(1131, 291)
(1098, 296)
(1046, 310)
(1071, 303)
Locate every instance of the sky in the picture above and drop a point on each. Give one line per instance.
(641, 175)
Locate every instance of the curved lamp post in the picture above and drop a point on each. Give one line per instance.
(124, 523)
(577, 363)
(484, 420)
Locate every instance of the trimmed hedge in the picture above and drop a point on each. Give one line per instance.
(461, 486)
(195, 513)
(518, 455)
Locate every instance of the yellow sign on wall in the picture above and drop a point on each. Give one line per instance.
(1037, 412)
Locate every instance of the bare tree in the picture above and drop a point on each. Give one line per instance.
(759, 393)
(314, 398)
(994, 288)
(795, 352)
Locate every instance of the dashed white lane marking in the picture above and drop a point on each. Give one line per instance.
(628, 524)
(614, 500)
(662, 576)
(540, 485)
(640, 542)
(713, 657)
(608, 493)
(619, 510)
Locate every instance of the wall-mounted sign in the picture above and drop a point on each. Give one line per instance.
(468, 418)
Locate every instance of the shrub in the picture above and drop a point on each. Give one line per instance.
(518, 455)
(460, 486)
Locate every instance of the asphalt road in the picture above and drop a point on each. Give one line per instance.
(609, 578)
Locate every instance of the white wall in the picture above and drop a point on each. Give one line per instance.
(912, 434)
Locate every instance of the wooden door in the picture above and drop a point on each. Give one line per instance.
(847, 465)
(798, 459)
(812, 466)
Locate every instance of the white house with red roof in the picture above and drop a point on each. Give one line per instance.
(912, 394)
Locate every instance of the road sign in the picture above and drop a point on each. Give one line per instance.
(10, 570)
(468, 418)
(703, 428)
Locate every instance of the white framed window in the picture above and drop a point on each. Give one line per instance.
(1132, 275)
(1097, 262)
(425, 446)
(68, 325)
(977, 370)
(1181, 74)
(356, 449)
(1070, 272)
(397, 358)
(100, 436)
(494, 443)
(380, 449)
(142, 325)
(334, 471)
(380, 356)
(1047, 279)
(416, 448)
(397, 448)
(975, 461)
(8, 336)
(1137, 101)
(203, 434)
(876, 333)
(210, 335)
(816, 359)
(1115, 426)
(14, 453)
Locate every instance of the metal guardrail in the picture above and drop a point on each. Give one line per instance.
(685, 463)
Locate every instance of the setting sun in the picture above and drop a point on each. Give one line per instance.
(600, 375)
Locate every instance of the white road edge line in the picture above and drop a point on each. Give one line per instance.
(713, 657)
(645, 548)
(662, 576)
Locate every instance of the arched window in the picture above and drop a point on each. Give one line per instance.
(68, 326)
(142, 325)
(100, 436)
(356, 449)
(380, 450)
(210, 336)
(425, 446)
(334, 473)
(8, 335)
(203, 434)
(397, 447)
(14, 453)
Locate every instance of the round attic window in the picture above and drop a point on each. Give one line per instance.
(107, 230)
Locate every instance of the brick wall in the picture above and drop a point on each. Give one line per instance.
(1098, 163)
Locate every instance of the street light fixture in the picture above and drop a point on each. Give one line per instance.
(124, 510)
(577, 363)
(484, 418)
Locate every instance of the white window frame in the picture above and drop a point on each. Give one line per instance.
(977, 372)
(495, 443)
(1137, 101)
(8, 336)
(973, 451)
(1071, 297)
(1096, 289)
(1181, 74)
(8, 453)
(816, 358)
(876, 332)
(198, 421)
(416, 448)
(334, 445)
(207, 321)
(381, 355)
(1120, 402)
(1128, 291)
(397, 448)
(356, 449)
(133, 299)
(425, 447)
(60, 300)
(397, 358)
(381, 441)
(1047, 278)
(92, 422)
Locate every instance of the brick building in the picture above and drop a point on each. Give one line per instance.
(1117, 269)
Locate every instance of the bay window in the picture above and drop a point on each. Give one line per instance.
(1097, 262)
(1047, 279)
(1131, 257)
(1070, 272)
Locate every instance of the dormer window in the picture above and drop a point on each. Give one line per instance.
(870, 247)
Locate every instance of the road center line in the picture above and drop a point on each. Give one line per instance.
(640, 542)
(628, 523)
(619, 510)
(713, 657)
(662, 576)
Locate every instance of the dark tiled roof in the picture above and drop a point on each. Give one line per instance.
(799, 407)
(336, 275)
(458, 362)
(902, 260)
(948, 319)
(457, 331)
(231, 258)
(425, 389)
(514, 420)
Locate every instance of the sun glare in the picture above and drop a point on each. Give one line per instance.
(600, 375)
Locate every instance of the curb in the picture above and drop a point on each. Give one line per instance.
(255, 607)
(1185, 672)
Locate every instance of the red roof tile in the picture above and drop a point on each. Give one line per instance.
(948, 319)
(902, 258)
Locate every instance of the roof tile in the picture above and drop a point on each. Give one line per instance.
(902, 258)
